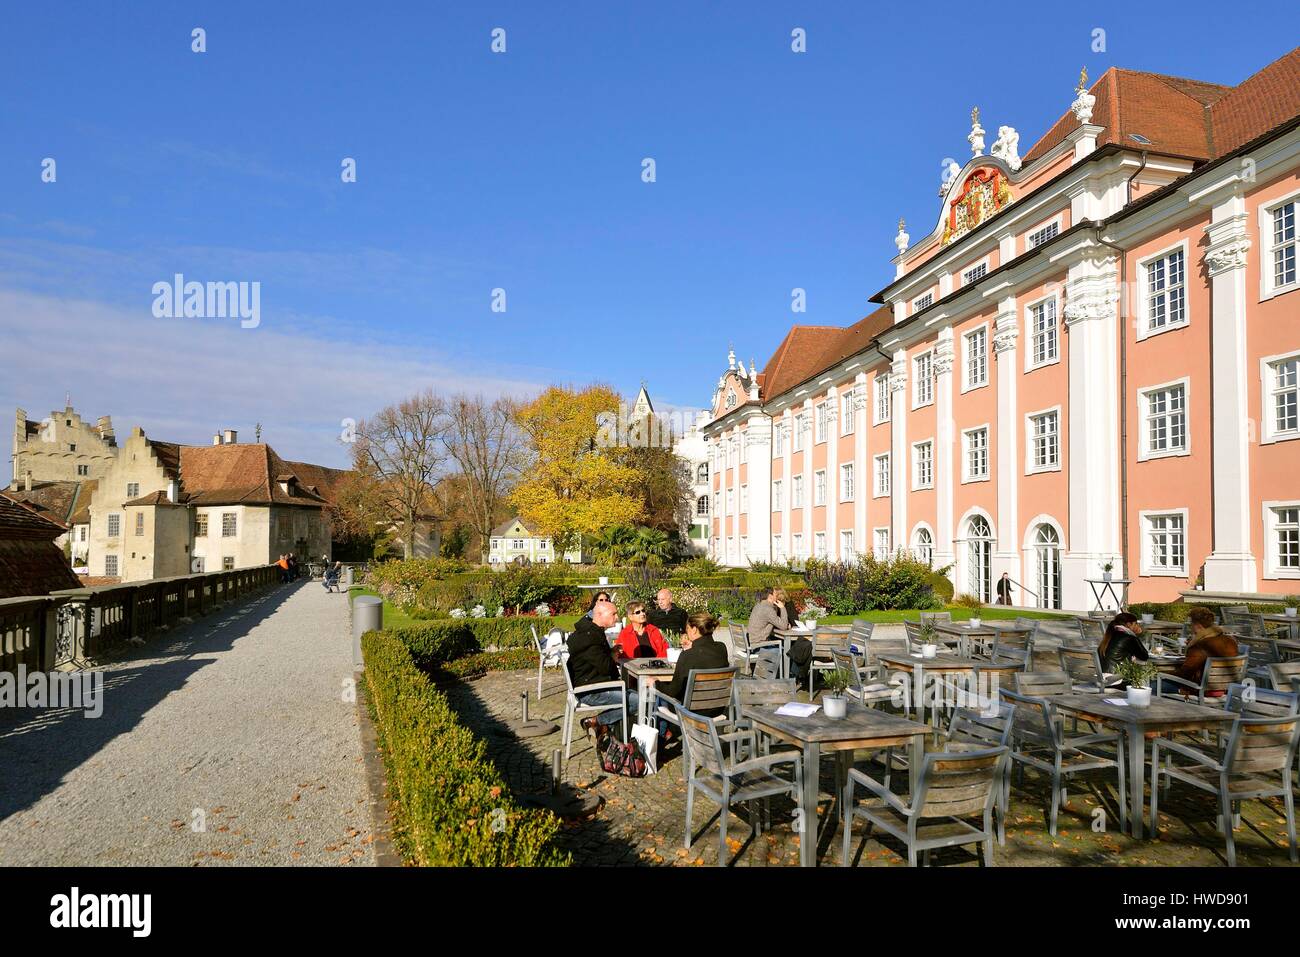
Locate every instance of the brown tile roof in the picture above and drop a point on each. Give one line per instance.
(238, 474)
(808, 350)
(32, 567)
(153, 498)
(20, 521)
(1185, 117)
(81, 509)
(169, 456)
(53, 500)
(325, 480)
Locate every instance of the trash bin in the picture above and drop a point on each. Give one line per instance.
(347, 576)
(367, 615)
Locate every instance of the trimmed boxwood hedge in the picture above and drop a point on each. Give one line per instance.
(451, 806)
(433, 642)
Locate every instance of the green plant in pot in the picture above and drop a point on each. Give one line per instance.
(834, 700)
(1137, 675)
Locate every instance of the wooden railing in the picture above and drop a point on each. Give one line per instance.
(80, 623)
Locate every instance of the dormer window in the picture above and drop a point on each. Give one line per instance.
(923, 303)
(1046, 233)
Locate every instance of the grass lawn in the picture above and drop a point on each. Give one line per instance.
(958, 614)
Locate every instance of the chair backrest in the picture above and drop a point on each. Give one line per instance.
(1245, 623)
(936, 616)
(1282, 673)
(845, 660)
(861, 630)
(1039, 684)
(1227, 610)
(1014, 638)
(913, 631)
(1083, 665)
(756, 692)
(702, 745)
(1033, 720)
(1263, 651)
(1261, 702)
(1219, 673)
(824, 642)
(537, 642)
(1091, 630)
(1259, 745)
(974, 726)
(709, 688)
(765, 666)
(959, 784)
(884, 646)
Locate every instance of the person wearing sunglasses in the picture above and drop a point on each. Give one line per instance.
(639, 638)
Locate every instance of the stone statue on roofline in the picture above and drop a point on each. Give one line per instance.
(1007, 147)
(950, 173)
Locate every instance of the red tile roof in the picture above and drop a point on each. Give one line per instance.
(238, 474)
(20, 521)
(808, 350)
(53, 500)
(29, 566)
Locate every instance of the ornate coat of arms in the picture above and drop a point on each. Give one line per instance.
(985, 192)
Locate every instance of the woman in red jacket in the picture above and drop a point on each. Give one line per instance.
(640, 639)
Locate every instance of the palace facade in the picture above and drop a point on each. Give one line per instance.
(1090, 359)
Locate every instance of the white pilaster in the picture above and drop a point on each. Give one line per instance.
(808, 437)
(787, 438)
(758, 457)
(1231, 566)
(832, 473)
(861, 475)
(1006, 330)
(944, 452)
(898, 454)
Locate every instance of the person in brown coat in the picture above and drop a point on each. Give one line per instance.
(1208, 641)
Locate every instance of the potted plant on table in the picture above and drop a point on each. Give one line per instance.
(1137, 675)
(811, 613)
(1291, 602)
(834, 701)
(1107, 569)
(929, 642)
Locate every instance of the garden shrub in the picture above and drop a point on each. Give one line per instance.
(451, 806)
(480, 663)
(870, 584)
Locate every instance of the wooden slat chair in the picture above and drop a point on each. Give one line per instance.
(1244, 623)
(1261, 702)
(1226, 610)
(575, 709)
(860, 632)
(1255, 764)
(746, 653)
(825, 643)
(707, 689)
(1091, 630)
(869, 686)
(548, 656)
(1014, 646)
(728, 783)
(935, 616)
(952, 806)
(1040, 741)
(1282, 674)
(913, 631)
(757, 692)
(1083, 665)
(1262, 652)
(1216, 677)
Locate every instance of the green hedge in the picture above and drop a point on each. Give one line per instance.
(480, 663)
(1178, 610)
(444, 639)
(451, 807)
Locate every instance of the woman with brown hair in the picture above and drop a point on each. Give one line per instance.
(639, 638)
(1121, 642)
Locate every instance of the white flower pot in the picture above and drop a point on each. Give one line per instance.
(1147, 619)
(1105, 576)
(1139, 697)
(929, 651)
(604, 580)
(835, 706)
(1291, 612)
(975, 622)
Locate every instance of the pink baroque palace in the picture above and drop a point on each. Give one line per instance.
(1089, 359)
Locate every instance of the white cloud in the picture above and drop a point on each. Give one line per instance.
(183, 379)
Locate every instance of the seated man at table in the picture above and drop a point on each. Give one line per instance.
(591, 661)
(1208, 641)
(700, 650)
(665, 615)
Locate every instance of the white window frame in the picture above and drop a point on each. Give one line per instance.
(820, 422)
(117, 566)
(778, 548)
(883, 403)
(877, 473)
(986, 262)
(917, 379)
(1058, 220)
(796, 491)
(1145, 452)
(796, 545)
(819, 488)
(799, 429)
(1268, 433)
(742, 444)
(915, 546)
(917, 484)
(967, 475)
(1148, 569)
(1030, 467)
(1267, 288)
(778, 439)
(744, 499)
(847, 488)
(923, 301)
(966, 384)
(777, 489)
(1272, 570)
(731, 501)
(1144, 330)
(1030, 364)
(847, 550)
(819, 545)
(108, 525)
(876, 548)
(847, 415)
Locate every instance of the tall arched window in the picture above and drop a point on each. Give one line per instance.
(923, 546)
(703, 472)
(979, 557)
(1047, 554)
(702, 505)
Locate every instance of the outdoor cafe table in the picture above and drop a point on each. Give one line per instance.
(963, 632)
(917, 666)
(861, 728)
(646, 673)
(1162, 716)
(1292, 621)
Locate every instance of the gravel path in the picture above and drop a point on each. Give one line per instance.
(231, 740)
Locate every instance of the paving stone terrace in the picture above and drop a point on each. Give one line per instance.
(643, 821)
(241, 715)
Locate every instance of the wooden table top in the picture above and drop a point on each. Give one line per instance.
(1161, 711)
(985, 628)
(939, 662)
(1278, 616)
(860, 723)
(644, 666)
(1159, 625)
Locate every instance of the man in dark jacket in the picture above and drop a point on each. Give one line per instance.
(591, 661)
(665, 615)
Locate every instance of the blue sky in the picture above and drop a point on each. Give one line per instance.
(477, 170)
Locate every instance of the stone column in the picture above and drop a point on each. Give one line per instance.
(758, 457)
(1010, 434)
(898, 454)
(944, 451)
(1231, 566)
